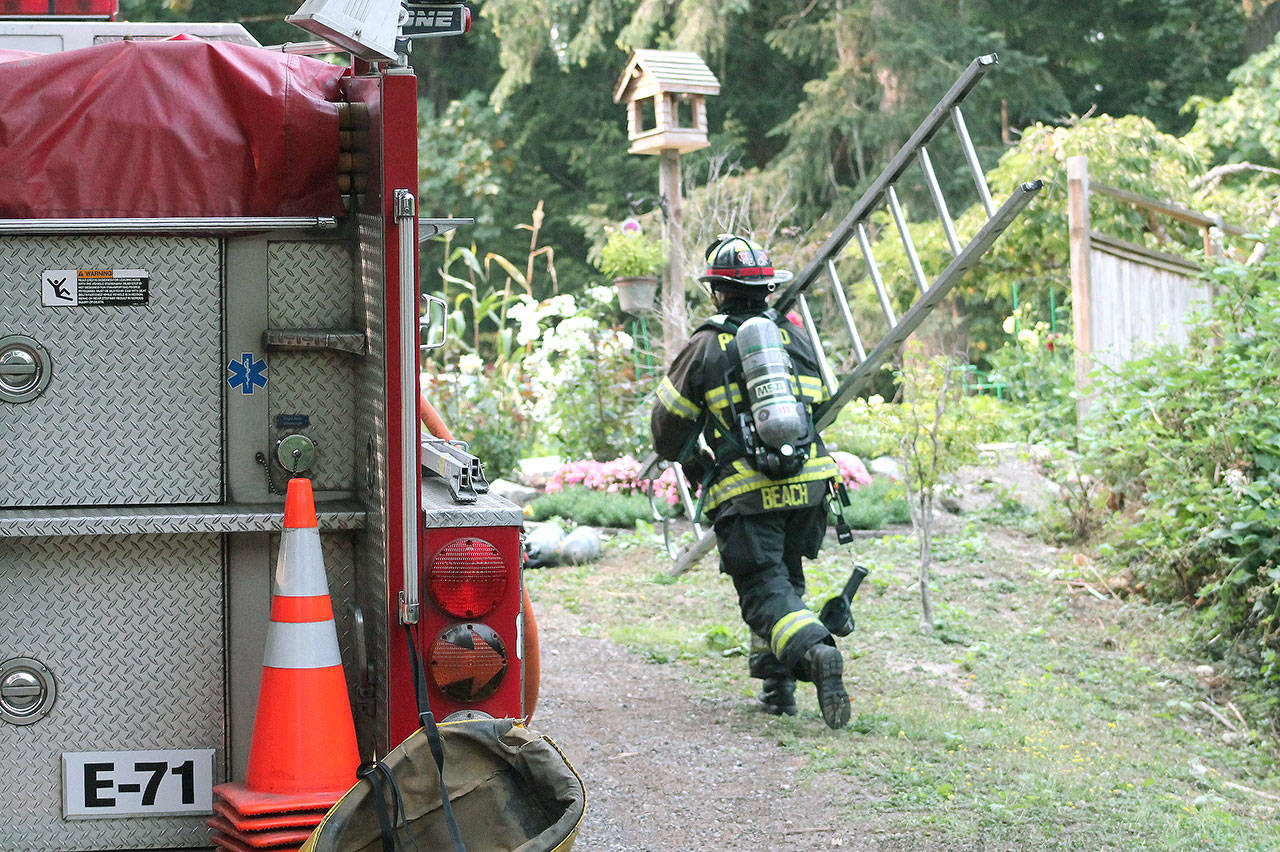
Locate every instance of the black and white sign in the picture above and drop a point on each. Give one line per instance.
(94, 288)
(429, 20)
(137, 783)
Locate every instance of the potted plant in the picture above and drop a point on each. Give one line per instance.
(633, 261)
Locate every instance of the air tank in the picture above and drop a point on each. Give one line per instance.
(766, 368)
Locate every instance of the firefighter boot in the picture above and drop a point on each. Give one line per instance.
(826, 670)
(779, 696)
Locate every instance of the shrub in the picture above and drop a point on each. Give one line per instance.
(620, 476)
(583, 506)
(880, 502)
(1193, 443)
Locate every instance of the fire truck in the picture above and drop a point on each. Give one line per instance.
(209, 283)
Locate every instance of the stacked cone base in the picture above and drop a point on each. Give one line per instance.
(249, 821)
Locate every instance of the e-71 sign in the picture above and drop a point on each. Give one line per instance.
(432, 20)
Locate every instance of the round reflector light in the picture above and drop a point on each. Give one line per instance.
(468, 578)
(468, 662)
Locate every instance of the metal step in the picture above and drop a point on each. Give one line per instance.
(819, 275)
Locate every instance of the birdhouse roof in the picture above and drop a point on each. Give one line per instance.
(670, 71)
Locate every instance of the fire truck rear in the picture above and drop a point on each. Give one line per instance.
(208, 286)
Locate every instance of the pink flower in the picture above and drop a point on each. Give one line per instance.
(852, 470)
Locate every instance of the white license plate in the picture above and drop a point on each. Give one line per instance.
(137, 783)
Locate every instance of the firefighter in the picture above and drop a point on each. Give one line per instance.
(764, 520)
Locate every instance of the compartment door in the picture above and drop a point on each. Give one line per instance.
(111, 371)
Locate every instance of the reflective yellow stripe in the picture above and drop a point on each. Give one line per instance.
(674, 402)
(813, 389)
(718, 400)
(746, 478)
(788, 626)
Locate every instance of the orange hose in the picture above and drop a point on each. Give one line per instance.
(432, 419)
(532, 660)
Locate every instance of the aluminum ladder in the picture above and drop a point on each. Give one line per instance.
(821, 272)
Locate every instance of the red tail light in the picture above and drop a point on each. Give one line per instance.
(467, 578)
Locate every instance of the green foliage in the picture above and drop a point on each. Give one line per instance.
(465, 162)
(876, 505)
(1244, 126)
(583, 506)
(1194, 443)
(1035, 369)
(592, 401)
(630, 254)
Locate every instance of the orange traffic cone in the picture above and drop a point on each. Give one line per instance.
(303, 754)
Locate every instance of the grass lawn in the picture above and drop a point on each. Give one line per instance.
(1041, 714)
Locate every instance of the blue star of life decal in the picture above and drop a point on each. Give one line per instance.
(248, 374)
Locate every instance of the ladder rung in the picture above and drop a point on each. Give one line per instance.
(824, 366)
(939, 201)
(686, 497)
(971, 157)
(874, 272)
(908, 244)
(959, 265)
(843, 302)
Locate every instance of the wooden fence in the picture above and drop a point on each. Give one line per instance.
(1126, 297)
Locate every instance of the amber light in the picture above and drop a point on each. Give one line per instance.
(467, 577)
(468, 662)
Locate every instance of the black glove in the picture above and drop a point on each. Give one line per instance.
(697, 466)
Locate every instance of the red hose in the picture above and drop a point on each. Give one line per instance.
(532, 660)
(432, 419)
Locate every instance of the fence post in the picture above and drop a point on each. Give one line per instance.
(1078, 239)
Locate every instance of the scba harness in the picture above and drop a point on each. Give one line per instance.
(774, 430)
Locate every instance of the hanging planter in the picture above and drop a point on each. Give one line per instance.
(636, 293)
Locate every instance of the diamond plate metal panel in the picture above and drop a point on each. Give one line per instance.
(131, 627)
(489, 510)
(371, 444)
(312, 285)
(133, 412)
(320, 385)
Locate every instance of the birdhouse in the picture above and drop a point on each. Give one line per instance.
(665, 92)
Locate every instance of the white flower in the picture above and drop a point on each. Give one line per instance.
(1236, 480)
(470, 364)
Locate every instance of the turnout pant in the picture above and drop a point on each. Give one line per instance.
(762, 554)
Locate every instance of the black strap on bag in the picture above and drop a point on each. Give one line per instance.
(433, 736)
(393, 823)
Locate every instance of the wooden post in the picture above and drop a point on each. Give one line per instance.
(1078, 239)
(674, 313)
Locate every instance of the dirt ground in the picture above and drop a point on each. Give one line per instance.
(667, 770)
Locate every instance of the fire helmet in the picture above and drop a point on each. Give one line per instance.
(735, 262)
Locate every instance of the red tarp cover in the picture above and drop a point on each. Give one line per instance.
(168, 128)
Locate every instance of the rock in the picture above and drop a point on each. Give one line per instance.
(581, 545)
(885, 466)
(542, 545)
(519, 494)
(536, 471)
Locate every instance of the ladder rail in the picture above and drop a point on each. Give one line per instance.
(901, 161)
